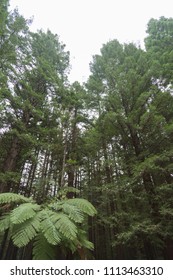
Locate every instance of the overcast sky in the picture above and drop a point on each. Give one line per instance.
(85, 25)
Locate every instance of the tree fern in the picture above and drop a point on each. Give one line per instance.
(73, 212)
(84, 242)
(83, 205)
(64, 191)
(24, 232)
(65, 225)
(42, 249)
(4, 223)
(48, 227)
(13, 197)
(23, 212)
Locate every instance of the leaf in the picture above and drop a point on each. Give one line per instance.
(60, 222)
(87, 244)
(48, 227)
(25, 232)
(82, 238)
(4, 222)
(66, 190)
(13, 197)
(84, 205)
(23, 212)
(65, 225)
(42, 249)
(73, 212)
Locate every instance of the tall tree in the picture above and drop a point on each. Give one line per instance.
(133, 141)
(13, 36)
(158, 44)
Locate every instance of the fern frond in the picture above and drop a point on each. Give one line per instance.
(56, 206)
(87, 244)
(65, 225)
(56, 225)
(48, 227)
(13, 197)
(83, 240)
(73, 212)
(84, 205)
(24, 232)
(66, 190)
(42, 249)
(24, 212)
(4, 222)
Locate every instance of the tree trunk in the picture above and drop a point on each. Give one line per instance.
(10, 164)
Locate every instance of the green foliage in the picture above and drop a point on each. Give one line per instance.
(13, 198)
(65, 225)
(49, 228)
(129, 146)
(4, 223)
(31, 222)
(73, 212)
(42, 249)
(23, 233)
(64, 192)
(23, 213)
(159, 46)
(109, 141)
(84, 205)
(83, 241)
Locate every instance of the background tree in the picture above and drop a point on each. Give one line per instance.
(132, 140)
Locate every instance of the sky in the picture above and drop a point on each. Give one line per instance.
(85, 25)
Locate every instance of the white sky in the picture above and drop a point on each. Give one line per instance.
(85, 25)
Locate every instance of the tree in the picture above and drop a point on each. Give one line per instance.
(13, 37)
(159, 45)
(132, 136)
(29, 99)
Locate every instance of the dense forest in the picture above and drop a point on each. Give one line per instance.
(86, 171)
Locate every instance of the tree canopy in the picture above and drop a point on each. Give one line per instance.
(85, 165)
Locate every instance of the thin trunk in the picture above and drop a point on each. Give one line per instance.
(62, 182)
(10, 164)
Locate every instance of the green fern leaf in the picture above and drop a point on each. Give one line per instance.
(65, 225)
(83, 240)
(42, 249)
(4, 222)
(48, 227)
(56, 206)
(84, 205)
(24, 232)
(73, 212)
(66, 190)
(13, 197)
(24, 212)
(87, 244)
